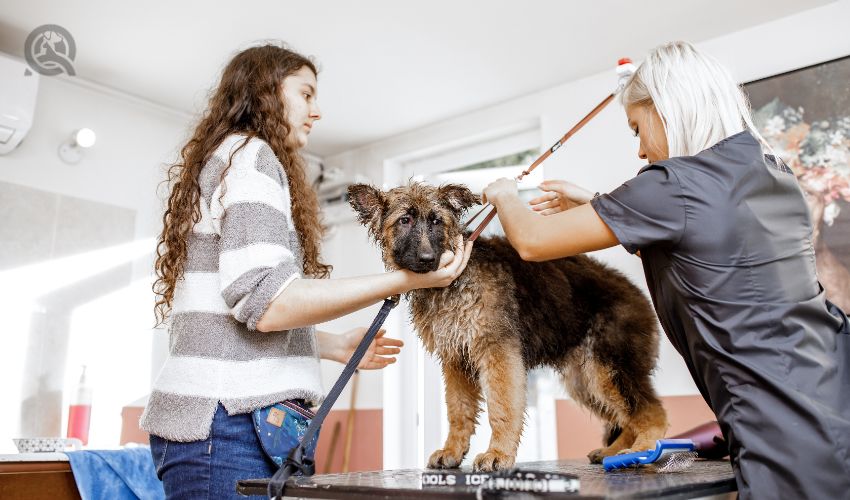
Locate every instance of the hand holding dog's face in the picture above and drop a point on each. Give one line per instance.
(414, 224)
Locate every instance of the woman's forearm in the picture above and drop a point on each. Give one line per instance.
(519, 223)
(538, 238)
(311, 301)
(328, 345)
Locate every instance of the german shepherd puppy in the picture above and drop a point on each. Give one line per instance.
(504, 316)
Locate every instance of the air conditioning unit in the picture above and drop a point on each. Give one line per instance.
(18, 91)
(333, 195)
(332, 187)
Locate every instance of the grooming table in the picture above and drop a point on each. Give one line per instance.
(703, 478)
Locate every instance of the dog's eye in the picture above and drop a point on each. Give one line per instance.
(436, 222)
(404, 220)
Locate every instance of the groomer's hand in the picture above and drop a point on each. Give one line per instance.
(559, 196)
(498, 189)
(451, 266)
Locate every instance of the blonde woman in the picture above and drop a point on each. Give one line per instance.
(725, 238)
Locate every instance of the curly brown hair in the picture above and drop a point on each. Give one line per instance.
(249, 101)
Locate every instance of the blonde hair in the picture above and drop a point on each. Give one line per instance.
(695, 96)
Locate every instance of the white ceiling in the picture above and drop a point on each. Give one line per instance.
(387, 66)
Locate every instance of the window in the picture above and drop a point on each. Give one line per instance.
(478, 175)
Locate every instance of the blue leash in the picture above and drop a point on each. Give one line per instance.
(296, 461)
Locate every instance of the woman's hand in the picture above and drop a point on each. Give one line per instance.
(452, 265)
(559, 196)
(378, 356)
(499, 188)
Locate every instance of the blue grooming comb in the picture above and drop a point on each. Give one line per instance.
(664, 448)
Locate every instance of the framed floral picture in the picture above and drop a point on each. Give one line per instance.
(805, 116)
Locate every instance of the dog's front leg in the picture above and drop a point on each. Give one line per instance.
(503, 378)
(463, 401)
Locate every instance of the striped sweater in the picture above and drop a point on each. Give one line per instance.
(242, 253)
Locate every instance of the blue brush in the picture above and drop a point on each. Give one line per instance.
(669, 455)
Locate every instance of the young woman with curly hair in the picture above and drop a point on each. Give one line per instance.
(241, 282)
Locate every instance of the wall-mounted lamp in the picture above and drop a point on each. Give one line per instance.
(71, 151)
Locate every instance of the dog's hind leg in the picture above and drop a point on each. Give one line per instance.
(612, 432)
(620, 443)
(623, 354)
(646, 418)
(595, 387)
(634, 407)
(648, 423)
(463, 401)
(503, 378)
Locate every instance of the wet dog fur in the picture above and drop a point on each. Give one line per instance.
(504, 316)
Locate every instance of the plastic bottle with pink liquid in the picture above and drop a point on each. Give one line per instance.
(79, 412)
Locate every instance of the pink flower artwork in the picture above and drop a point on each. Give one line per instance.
(804, 115)
(819, 153)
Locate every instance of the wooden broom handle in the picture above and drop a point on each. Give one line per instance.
(349, 430)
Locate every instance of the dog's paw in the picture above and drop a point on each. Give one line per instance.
(597, 455)
(492, 460)
(445, 459)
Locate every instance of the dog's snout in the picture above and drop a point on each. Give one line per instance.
(426, 257)
(425, 252)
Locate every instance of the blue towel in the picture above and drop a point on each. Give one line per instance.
(116, 474)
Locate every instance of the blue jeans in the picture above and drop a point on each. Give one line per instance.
(209, 468)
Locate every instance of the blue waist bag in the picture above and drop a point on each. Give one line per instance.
(281, 428)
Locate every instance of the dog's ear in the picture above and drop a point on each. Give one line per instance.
(457, 198)
(368, 202)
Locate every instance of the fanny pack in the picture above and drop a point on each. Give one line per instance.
(299, 460)
(281, 428)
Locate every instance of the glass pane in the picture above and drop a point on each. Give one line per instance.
(521, 159)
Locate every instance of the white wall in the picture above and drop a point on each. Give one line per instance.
(349, 251)
(134, 140)
(603, 154)
(109, 327)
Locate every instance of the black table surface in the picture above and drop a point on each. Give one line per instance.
(703, 478)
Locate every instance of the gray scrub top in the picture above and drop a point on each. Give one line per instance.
(726, 243)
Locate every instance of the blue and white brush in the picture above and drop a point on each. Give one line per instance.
(669, 455)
